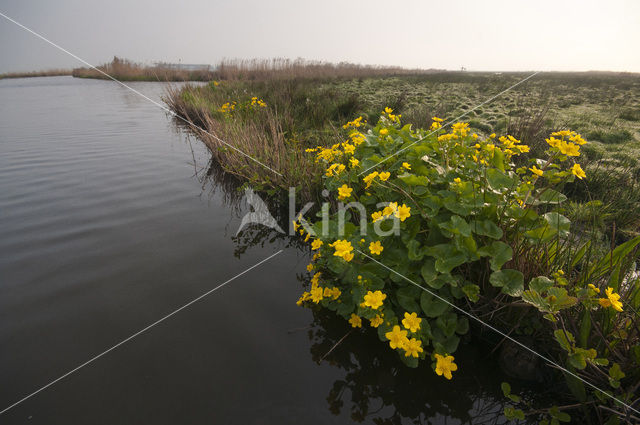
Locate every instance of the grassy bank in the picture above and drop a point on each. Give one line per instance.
(306, 108)
(31, 74)
(483, 222)
(126, 70)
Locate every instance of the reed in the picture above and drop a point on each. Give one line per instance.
(126, 70)
(31, 74)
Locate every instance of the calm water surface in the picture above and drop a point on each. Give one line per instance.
(105, 229)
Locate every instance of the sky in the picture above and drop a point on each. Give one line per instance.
(489, 35)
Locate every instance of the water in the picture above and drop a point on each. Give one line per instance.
(107, 225)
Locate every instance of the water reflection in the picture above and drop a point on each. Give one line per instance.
(375, 387)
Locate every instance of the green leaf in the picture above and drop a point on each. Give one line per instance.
(486, 228)
(564, 338)
(576, 387)
(447, 257)
(512, 414)
(511, 281)
(407, 297)
(577, 360)
(499, 253)
(472, 291)
(550, 196)
(498, 180)
(414, 253)
(447, 323)
(506, 388)
(558, 222)
(457, 226)
(540, 284)
(429, 273)
(432, 306)
(462, 326)
(532, 297)
(585, 328)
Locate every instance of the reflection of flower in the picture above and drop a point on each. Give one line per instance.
(612, 300)
(445, 365)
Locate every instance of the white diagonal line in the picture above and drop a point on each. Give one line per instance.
(136, 334)
(449, 122)
(159, 105)
(466, 313)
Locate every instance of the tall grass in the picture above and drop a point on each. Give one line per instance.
(282, 68)
(124, 69)
(31, 74)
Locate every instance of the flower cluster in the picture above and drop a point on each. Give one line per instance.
(453, 196)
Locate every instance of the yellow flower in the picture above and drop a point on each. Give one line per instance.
(387, 110)
(343, 249)
(309, 267)
(384, 132)
(316, 244)
(390, 209)
(295, 226)
(536, 171)
(562, 133)
(413, 347)
(577, 171)
(594, 288)
(612, 300)
(350, 149)
(344, 192)
(355, 321)
(403, 212)
(397, 337)
(461, 128)
(374, 299)
(369, 178)
(376, 216)
(577, 139)
(376, 248)
(457, 180)
(384, 176)
(436, 119)
(376, 321)
(304, 297)
(406, 165)
(411, 321)
(553, 142)
(569, 149)
(335, 293)
(335, 168)
(315, 280)
(316, 294)
(445, 365)
(354, 162)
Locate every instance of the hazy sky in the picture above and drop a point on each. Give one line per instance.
(480, 35)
